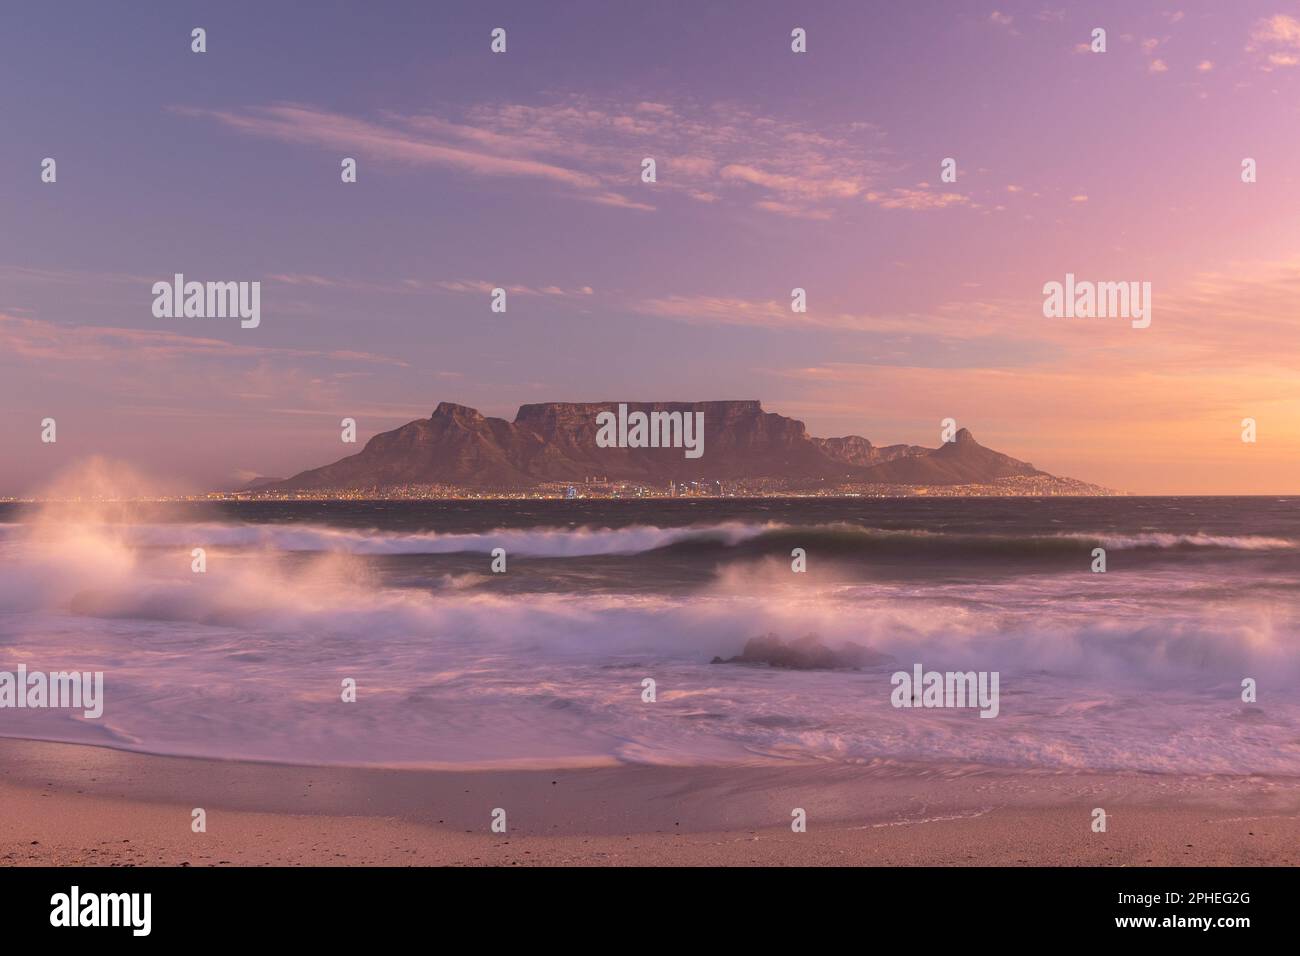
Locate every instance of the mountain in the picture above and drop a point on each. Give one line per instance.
(557, 442)
(261, 481)
(856, 450)
(961, 461)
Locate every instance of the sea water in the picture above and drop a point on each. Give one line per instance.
(1139, 668)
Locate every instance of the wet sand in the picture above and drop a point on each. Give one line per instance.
(74, 804)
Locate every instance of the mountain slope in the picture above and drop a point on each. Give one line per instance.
(556, 442)
(959, 462)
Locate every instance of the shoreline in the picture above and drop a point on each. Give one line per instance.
(75, 804)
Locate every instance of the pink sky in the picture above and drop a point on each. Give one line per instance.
(775, 170)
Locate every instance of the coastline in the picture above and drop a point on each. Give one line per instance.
(72, 804)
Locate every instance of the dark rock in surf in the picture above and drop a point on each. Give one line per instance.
(805, 654)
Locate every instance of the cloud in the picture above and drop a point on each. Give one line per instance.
(1147, 421)
(482, 286)
(1001, 19)
(403, 141)
(1244, 314)
(1228, 322)
(954, 320)
(1005, 21)
(1279, 28)
(591, 148)
(408, 286)
(1156, 410)
(304, 124)
(1158, 66)
(917, 199)
(115, 375)
(793, 211)
(723, 310)
(803, 187)
(1275, 41)
(12, 273)
(39, 340)
(304, 279)
(660, 109)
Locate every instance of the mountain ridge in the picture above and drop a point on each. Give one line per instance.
(557, 442)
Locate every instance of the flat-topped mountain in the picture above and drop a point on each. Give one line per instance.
(643, 442)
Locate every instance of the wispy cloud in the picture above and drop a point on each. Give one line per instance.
(40, 340)
(955, 320)
(592, 149)
(1004, 20)
(406, 140)
(917, 199)
(484, 287)
(309, 281)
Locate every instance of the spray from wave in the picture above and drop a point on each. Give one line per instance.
(245, 659)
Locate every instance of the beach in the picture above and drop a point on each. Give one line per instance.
(77, 805)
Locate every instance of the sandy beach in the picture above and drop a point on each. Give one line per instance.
(73, 804)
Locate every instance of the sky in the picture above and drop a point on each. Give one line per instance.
(774, 170)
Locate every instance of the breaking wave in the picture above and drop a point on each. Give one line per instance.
(637, 539)
(1123, 670)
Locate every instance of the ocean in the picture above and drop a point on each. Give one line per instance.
(1139, 668)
